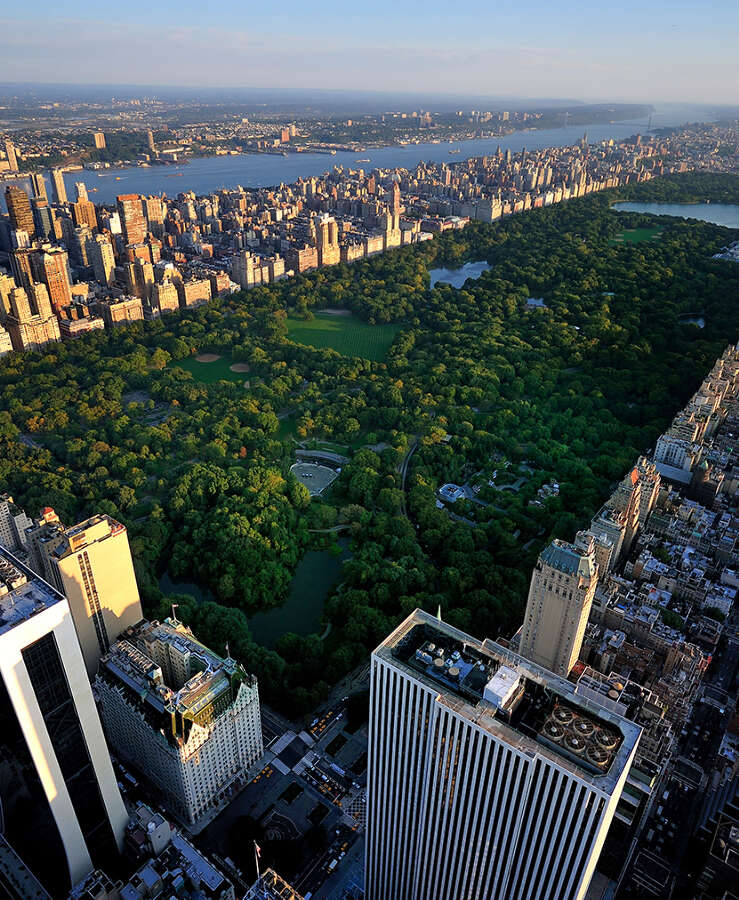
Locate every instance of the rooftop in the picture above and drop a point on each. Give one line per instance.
(515, 700)
(567, 558)
(22, 593)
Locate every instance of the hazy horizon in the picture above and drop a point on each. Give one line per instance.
(662, 52)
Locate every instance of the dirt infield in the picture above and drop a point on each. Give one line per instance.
(239, 367)
(315, 477)
(208, 357)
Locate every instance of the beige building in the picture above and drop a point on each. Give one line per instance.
(101, 258)
(6, 345)
(94, 570)
(31, 328)
(194, 291)
(99, 139)
(186, 718)
(120, 310)
(560, 596)
(164, 298)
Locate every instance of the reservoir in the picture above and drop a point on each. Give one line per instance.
(726, 214)
(457, 277)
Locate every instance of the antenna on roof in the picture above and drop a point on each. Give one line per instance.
(174, 614)
(438, 613)
(228, 651)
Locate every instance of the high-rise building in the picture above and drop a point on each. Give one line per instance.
(269, 886)
(13, 524)
(488, 776)
(19, 210)
(7, 283)
(62, 810)
(31, 327)
(11, 155)
(49, 266)
(99, 140)
(60, 189)
(560, 595)
(38, 185)
(43, 219)
(186, 718)
(100, 257)
(6, 344)
(94, 571)
(84, 213)
(132, 216)
(150, 141)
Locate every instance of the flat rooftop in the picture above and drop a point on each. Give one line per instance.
(513, 699)
(22, 593)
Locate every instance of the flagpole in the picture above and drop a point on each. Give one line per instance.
(256, 859)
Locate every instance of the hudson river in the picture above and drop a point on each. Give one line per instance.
(262, 169)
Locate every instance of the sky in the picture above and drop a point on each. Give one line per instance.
(632, 50)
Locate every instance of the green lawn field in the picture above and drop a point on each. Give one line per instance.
(210, 372)
(638, 235)
(347, 335)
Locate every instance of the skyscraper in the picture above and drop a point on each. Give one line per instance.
(61, 805)
(19, 210)
(99, 140)
(488, 776)
(101, 258)
(133, 221)
(60, 189)
(12, 159)
(49, 266)
(38, 185)
(560, 595)
(94, 571)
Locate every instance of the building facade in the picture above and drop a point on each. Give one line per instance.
(560, 596)
(487, 775)
(187, 719)
(60, 798)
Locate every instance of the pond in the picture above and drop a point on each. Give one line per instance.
(726, 214)
(314, 577)
(457, 277)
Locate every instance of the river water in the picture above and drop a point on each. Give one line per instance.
(263, 169)
(726, 214)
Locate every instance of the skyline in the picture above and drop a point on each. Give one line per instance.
(662, 54)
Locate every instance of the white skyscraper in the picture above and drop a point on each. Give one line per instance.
(62, 810)
(488, 777)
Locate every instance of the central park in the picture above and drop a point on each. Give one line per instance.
(188, 429)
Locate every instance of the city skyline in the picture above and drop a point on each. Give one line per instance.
(526, 51)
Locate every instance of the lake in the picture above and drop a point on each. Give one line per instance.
(457, 277)
(726, 214)
(264, 169)
(301, 613)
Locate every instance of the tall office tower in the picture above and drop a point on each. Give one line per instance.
(19, 210)
(139, 278)
(395, 199)
(43, 219)
(100, 257)
(99, 139)
(94, 571)
(12, 158)
(49, 266)
(488, 776)
(186, 718)
(626, 499)
(560, 595)
(60, 189)
(38, 185)
(81, 189)
(20, 263)
(79, 244)
(61, 806)
(650, 485)
(150, 140)
(13, 524)
(133, 222)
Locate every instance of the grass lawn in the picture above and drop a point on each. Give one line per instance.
(347, 335)
(210, 372)
(638, 235)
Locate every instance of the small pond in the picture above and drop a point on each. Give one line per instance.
(315, 574)
(457, 277)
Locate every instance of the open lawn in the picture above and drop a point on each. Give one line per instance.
(346, 334)
(210, 372)
(638, 235)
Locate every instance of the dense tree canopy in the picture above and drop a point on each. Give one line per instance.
(476, 388)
